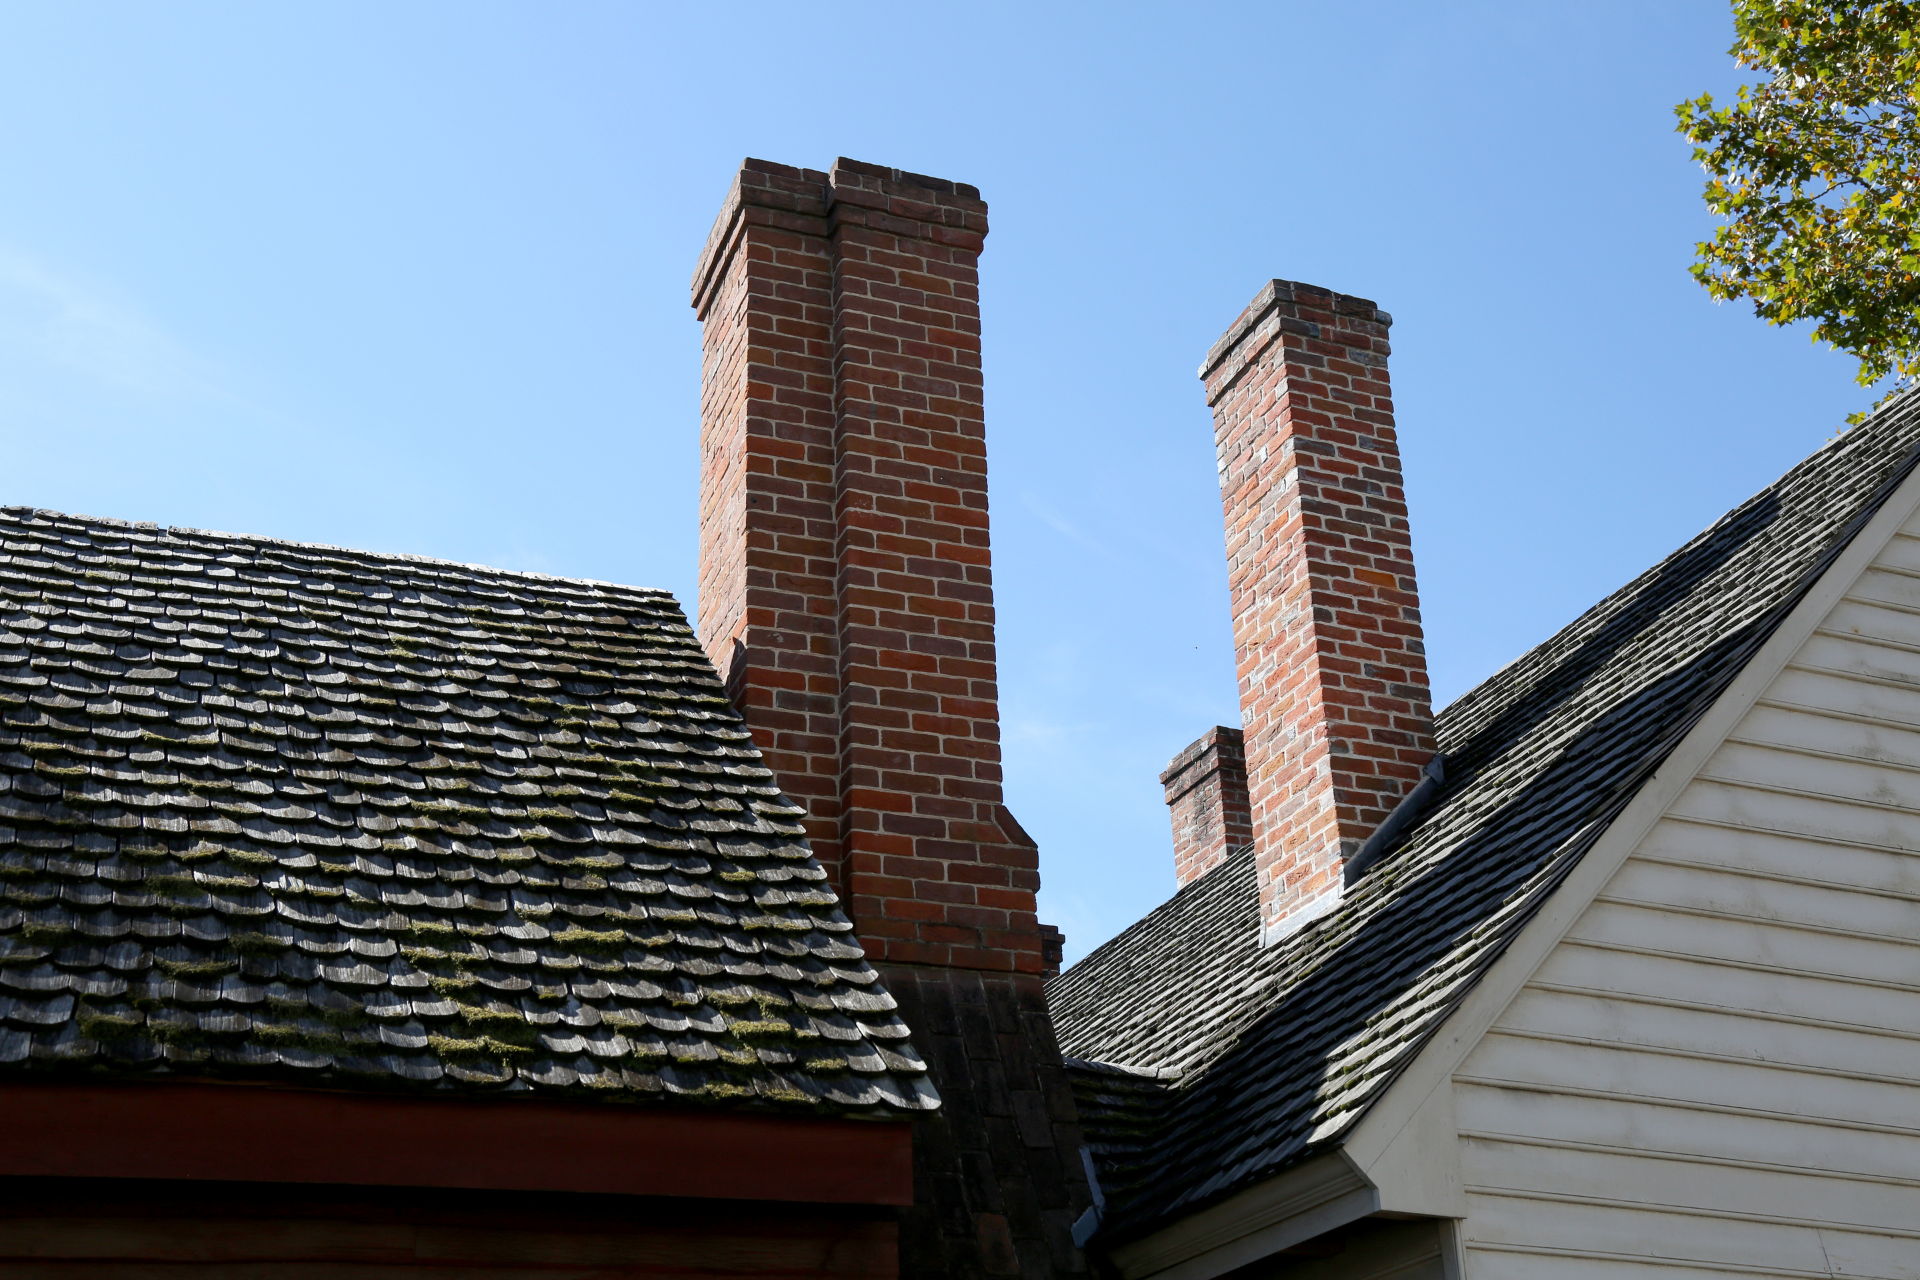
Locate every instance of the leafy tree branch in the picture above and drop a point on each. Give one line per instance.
(1816, 169)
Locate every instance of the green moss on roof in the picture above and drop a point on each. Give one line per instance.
(280, 811)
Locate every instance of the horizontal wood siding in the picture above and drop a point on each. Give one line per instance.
(1715, 1073)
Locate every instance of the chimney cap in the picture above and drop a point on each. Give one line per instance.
(1219, 735)
(1277, 293)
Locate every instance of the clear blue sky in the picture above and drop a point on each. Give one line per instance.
(414, 278)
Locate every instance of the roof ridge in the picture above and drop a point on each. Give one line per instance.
(405, 557)
(1191, 889)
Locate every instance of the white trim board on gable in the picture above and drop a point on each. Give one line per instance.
(1402, 1145)
(1714, 1066)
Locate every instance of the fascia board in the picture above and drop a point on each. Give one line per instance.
(1433, 1067)
(1418, 1171)
(1301, 1203)
(185, 1131)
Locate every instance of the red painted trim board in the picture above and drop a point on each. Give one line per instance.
(239, 1133)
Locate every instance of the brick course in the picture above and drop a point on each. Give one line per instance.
(1326, 615)
(846, 588)
(1206, 790)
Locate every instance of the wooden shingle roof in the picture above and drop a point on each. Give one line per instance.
(278, 811)
(1212, 1063)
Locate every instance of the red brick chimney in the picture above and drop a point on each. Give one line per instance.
(1326, 617)
(846, 593)
(1206, 787)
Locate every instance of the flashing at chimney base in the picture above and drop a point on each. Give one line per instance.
(1300, 917)
(1433, 776)
(1385, 839)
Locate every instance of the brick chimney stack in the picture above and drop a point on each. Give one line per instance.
(846, 597)
(1326, 616)
(846, 589)
(1206, 788)
(847, 601)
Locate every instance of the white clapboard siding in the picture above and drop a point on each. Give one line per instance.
(1717, 1072)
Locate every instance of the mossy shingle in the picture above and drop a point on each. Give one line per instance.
(273, 810)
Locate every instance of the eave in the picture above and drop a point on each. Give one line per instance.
(234, 1132)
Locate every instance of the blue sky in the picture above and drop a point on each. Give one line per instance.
(414, 278)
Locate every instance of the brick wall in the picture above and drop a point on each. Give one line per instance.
(1206, 790)
(1326, 616)
(997, 1176)
(846, 588)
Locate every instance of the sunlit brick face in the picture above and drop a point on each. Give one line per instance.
(1326, 615)
(846, 589)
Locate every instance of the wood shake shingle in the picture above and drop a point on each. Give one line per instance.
(277, 811)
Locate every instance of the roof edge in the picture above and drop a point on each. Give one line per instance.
(404, 557)
(214, 1130)
(1456, 1034)
(1119, 1069)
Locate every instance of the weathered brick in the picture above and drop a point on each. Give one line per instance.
(846, 597)
(1206, 792)
(1327, 637)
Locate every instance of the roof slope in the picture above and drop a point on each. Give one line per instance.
(1277, 1052)
(286, 811)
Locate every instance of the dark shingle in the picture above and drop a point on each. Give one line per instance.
(1276, 1053)
(272, 809)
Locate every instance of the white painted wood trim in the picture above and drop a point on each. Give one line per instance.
(1436, 1063)
(1301, 1203)
(1419, 1171)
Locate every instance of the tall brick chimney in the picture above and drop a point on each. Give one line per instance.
(1206, 788)
(846, 591)
(1334, 703)
(846, 596)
